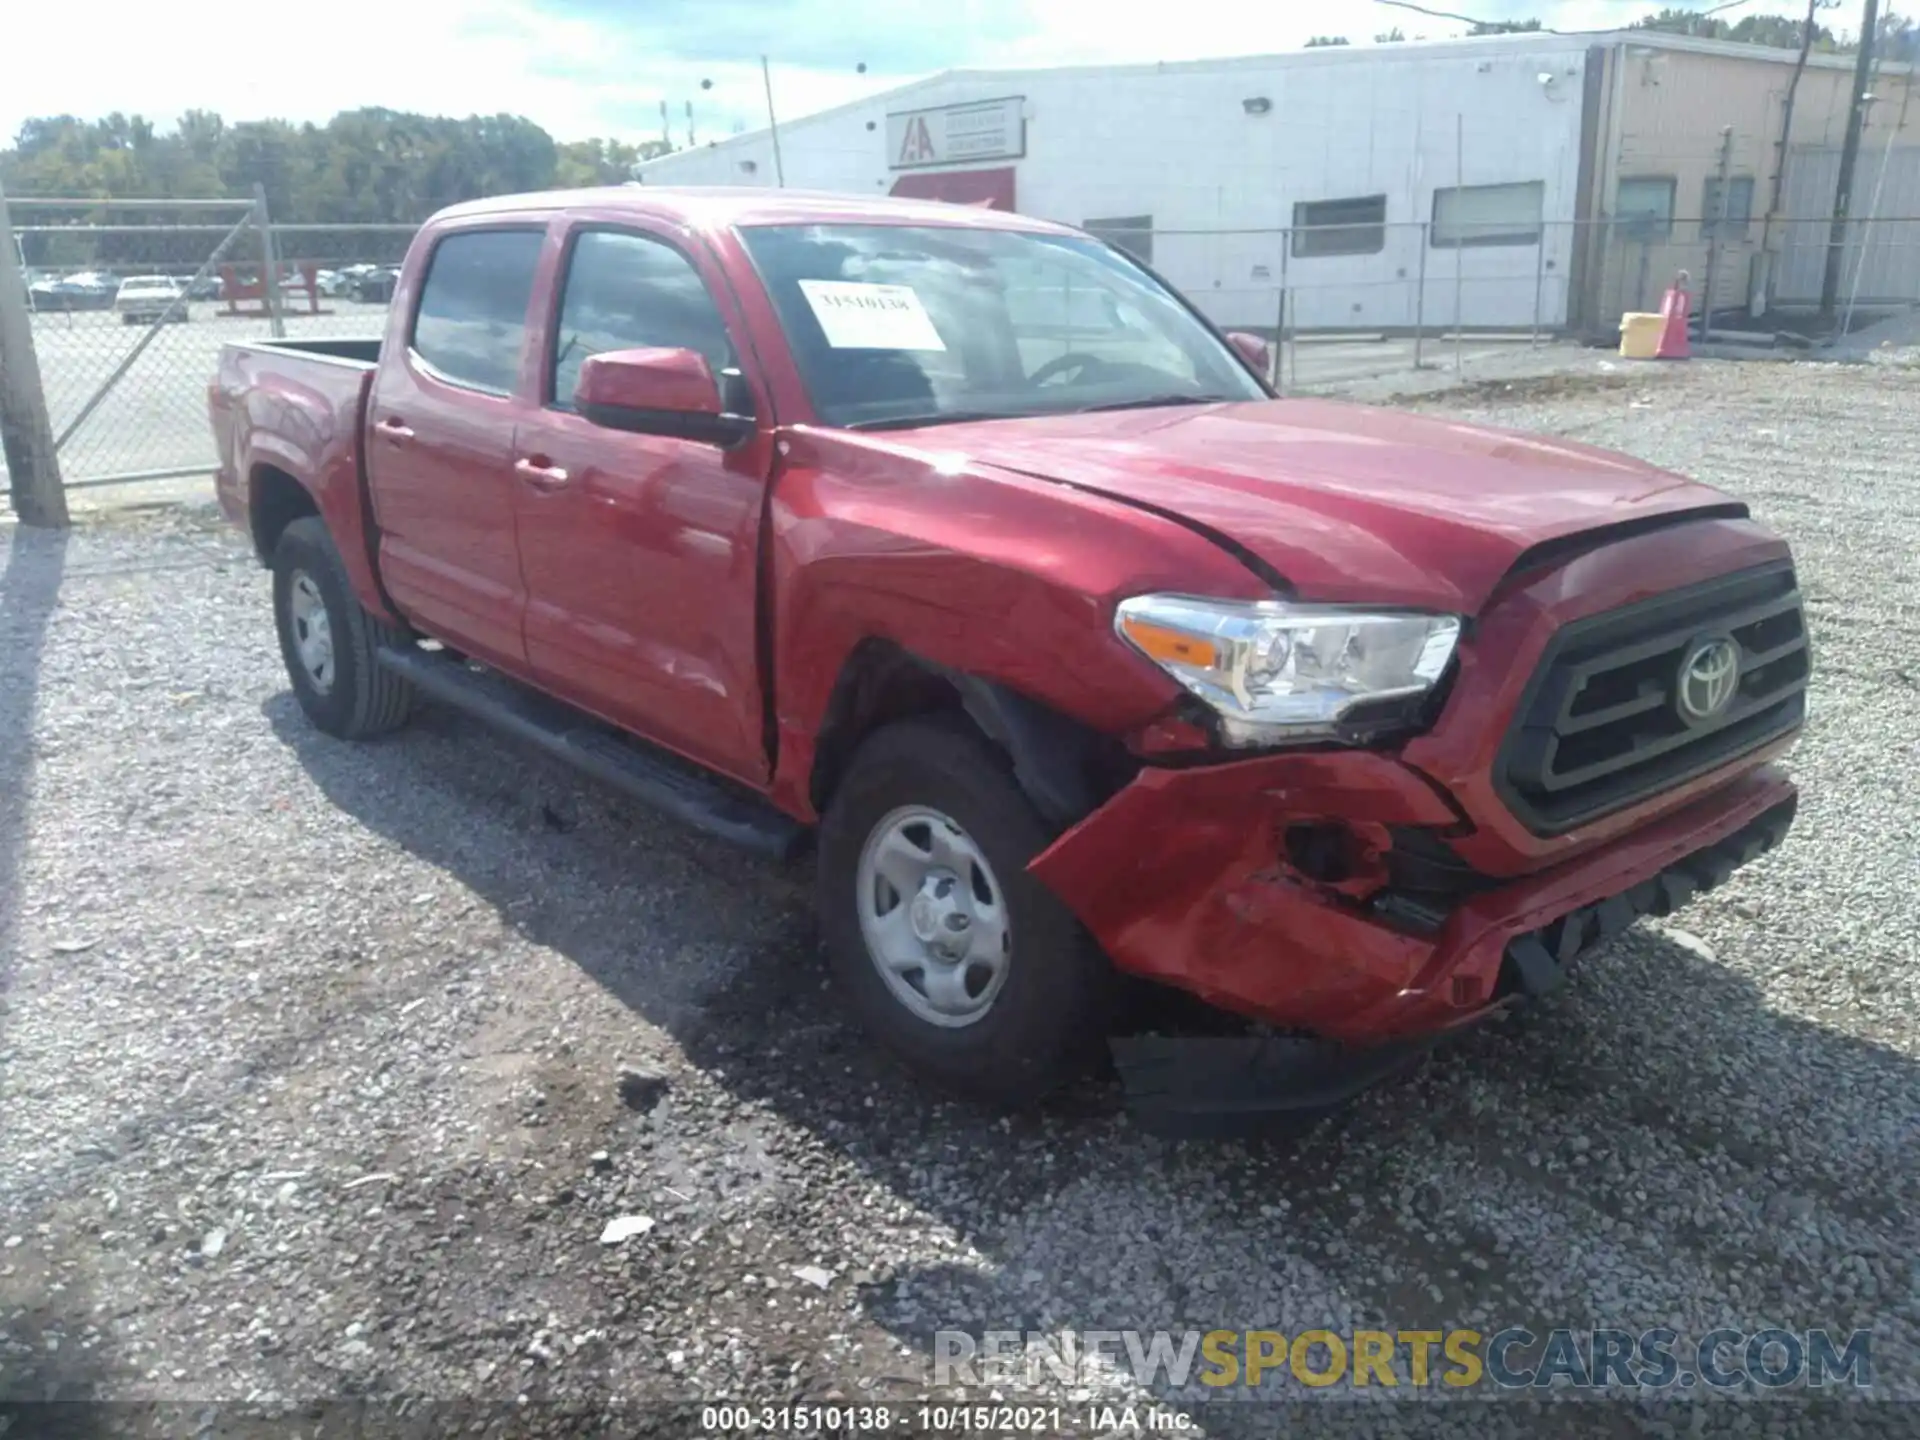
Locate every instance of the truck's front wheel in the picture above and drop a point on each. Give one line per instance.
(954, 957)
(329, 641)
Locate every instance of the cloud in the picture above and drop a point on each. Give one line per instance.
(604, 67)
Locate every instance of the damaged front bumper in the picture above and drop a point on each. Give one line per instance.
(1185, 878)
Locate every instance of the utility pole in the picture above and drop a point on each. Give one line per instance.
(773, 127)
(1718, 223)
(1849, 155)
(1780, 152)
(26, 434)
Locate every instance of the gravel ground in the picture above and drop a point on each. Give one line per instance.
(323, 1067)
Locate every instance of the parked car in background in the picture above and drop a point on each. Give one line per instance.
(376, 287)
(88, 290)
(207, 287)
(143, 299)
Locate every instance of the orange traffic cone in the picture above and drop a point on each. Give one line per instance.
(1674, 343)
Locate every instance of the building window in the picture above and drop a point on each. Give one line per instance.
(1355, 226)
(1643, 207)
(1488, 215)
(1131, 233)
(1739, 211)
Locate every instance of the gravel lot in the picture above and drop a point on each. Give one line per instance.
(311, 1054)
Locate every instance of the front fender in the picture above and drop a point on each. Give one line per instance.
(999, 578)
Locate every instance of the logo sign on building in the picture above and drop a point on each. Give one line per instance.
(983, 130)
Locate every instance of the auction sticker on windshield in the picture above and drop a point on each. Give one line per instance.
(857, 316)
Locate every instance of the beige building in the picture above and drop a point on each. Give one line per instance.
(1671, 115)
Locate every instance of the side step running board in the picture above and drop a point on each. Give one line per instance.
(663, 781)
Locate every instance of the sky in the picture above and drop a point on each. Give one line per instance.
(602, 67)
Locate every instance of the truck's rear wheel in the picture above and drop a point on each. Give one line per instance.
(953, 956)
(328, 640)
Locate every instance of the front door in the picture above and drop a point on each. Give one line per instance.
(439, 446)
(640, 552)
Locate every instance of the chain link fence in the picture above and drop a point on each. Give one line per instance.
(126, 386)
(1429, 287)
(125, 364)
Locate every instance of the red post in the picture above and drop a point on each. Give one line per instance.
(1674, 344)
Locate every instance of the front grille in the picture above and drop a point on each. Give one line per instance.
(1602, 725)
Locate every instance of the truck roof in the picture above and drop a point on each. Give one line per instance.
(720, 206)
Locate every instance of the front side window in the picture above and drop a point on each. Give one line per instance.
(895, 325)
(627, 292)
(473, 307)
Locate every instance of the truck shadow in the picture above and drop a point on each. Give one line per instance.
(1543, 1173)
(43, 1314)
(29, 592)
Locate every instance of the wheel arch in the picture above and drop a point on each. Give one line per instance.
(281, 489)
(275, 499)
(1065, 768)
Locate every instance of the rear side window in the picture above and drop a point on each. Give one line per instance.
(473, 308)
(626, 292)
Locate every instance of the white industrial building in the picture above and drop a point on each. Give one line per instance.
(1506, 180)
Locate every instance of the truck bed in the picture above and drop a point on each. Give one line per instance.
(295, 407)
(355, 349)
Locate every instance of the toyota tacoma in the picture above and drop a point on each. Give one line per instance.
(960, 549)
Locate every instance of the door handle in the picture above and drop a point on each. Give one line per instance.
(541, 477)
(395, 429)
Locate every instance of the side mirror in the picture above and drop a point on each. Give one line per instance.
(1254, 351)
(657, 392)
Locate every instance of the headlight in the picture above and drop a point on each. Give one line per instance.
(1276, 672)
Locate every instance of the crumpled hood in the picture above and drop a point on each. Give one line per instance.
(1347, 503)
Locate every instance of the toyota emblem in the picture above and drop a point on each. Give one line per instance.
(1709, 675)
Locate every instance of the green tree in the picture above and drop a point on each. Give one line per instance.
(372, 166)
(1782, 32)
(1899, 39)
(1320, 42)
(1390, 37)
(1504, 27)
(1684, 22)
(602, 162)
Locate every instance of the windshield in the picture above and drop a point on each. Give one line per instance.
(905, 325)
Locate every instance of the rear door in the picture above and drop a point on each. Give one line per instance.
(641, 552)
(440, 441)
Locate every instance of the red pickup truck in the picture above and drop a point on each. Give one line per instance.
(960, 547)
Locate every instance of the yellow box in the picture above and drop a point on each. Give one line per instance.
(1640, 334)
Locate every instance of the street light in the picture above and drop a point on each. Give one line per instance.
(773, 123)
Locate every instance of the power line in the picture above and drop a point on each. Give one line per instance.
(1544, 29)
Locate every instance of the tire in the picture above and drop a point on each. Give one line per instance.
(354, 698)
(1043, 1025)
